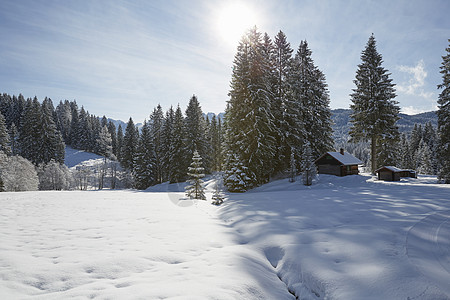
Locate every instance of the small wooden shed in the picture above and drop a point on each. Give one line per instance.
(391, 173)
(338, 163)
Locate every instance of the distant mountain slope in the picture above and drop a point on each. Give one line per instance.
(341, 122)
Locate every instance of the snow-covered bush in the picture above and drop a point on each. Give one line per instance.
(18, 174)
(54, 176)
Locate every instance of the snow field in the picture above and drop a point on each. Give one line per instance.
(346, 238)
(342, 238)
(123, 244)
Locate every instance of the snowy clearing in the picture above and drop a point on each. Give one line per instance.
(342, 238)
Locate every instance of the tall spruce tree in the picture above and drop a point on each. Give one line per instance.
(178, 152)
(119, 143)
(144, 163)
(251, 131)
(167, 142)
(130, 142)
(444, 119)
(374, 110)
(196, 132)
(311, 90)
(284, 112)
(156, 130)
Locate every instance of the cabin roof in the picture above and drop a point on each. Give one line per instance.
(391, 168)
(345, 159)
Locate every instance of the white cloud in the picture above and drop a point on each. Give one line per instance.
(416, 83)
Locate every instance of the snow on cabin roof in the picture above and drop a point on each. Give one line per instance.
(391, 168)
(346, 158)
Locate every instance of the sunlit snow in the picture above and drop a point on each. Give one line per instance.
(343, 238)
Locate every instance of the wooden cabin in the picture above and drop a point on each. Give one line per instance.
(338, 163)
(391, 173)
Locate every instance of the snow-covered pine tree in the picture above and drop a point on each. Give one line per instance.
(406, 157)
(196, 132)
(285, 112)
(30, 133)
(167, 142)
(415, 138)
(387, 152)
(236, 177)
(216, 147)
(52, 144)
(144, 164)
(130, 142)
(4, 137)
(113, 133)
(311, 90)
(178, 153)
(195, 189)
(156, 129)
(374, 110)
(424, 159)
(251, 131)
(119, 143)
(308, 168)
(444, 119)
(104, 143)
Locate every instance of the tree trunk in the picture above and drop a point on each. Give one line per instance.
(373, 154)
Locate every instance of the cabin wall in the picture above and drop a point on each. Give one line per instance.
(329, 169)
(388, 175)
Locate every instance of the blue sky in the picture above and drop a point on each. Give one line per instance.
(122, 58)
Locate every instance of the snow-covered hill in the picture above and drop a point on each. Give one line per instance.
(342, 238)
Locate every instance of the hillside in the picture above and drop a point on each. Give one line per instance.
(341, 122)
(342, 238)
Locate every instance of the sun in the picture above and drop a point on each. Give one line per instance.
(233, 20)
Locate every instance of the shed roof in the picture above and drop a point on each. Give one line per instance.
(345, 159)
(391, 168)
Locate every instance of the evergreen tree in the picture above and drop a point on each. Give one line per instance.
(119, 143)
(285, 113)
(214, 141)
(13, 138)
(416, 137)
(251, 131)
(374, 110)
(406, 157)
(104, 143)
(237, 179)
(144, 164)
(309, 170)
(52, 145)
(444, 119)
(195, 189)
(178, 153)
(424, 159)
(4, 137)
(157, 122)
(130, 142)
(196, 132)
(30, 133)
(387, 152)
(113, 134)
(167, 143)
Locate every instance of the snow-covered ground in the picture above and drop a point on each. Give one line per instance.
(343, 238)
(76, 157)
